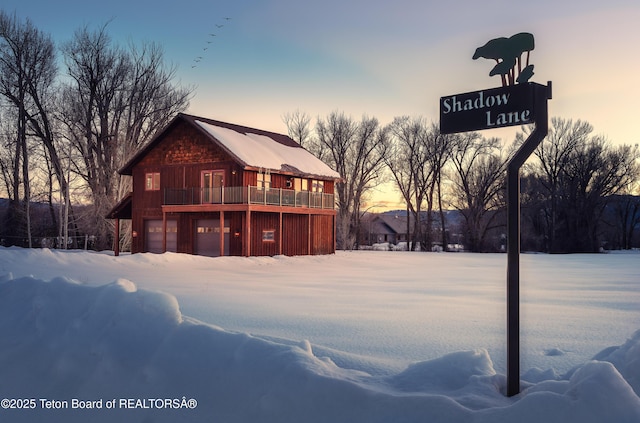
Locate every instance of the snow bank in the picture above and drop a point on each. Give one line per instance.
(626, 358)
(62, 341)
(385, 310)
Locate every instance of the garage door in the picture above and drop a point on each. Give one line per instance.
(208, 237)
(153, 236)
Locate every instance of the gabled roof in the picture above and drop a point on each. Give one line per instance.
(396, 224)
(251, 148)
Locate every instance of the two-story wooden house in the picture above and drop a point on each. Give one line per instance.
(212, 188)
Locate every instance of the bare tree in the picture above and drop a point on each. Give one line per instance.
(150, 98)
(478, 182)
(98, 73)
(299, 127)
(625, 219)
(27, 75)
(627, 208)
(116, 101)
(355, 150)
(440, 148)
(6, 155)
(407, 159)
(13, 84)
(10, 154)
(577, 174)
(596, 171)
(554, 155)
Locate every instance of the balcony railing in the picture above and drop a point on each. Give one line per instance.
(248, 195)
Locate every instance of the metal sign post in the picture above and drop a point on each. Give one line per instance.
(541, 96)
(518, 102)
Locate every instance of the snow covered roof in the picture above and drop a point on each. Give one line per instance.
(251, 148)
(261, 150)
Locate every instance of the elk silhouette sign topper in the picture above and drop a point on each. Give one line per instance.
(512, 104)
(507, 52)
(517, 102)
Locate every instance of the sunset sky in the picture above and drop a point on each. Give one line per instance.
(371, 57)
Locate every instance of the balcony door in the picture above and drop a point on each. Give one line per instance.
(212, 182)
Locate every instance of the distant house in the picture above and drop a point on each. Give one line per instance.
(383, 228)
(212, 188)
(393, 227)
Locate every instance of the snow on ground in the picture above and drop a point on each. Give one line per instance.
(353, 337)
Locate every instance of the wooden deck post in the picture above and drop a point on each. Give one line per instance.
(335, 233)
(221, 233)
(280, 231)
(248, 233)
(116, 240)
(164, 232)
(309, 234)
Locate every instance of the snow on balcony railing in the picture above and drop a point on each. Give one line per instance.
(248, 195)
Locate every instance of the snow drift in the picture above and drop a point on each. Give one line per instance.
(64, 341)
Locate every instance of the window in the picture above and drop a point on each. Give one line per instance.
(264, 180)
(152, 181)
(269, 235)
(317, 186)
(301, 184)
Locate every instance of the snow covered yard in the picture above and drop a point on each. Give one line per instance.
(352, 337)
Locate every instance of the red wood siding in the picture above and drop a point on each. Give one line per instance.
(279, 181)
(328, 187)
(250, 179)
(322, 234)
(295, 234)
(236, 225)
(264, 222)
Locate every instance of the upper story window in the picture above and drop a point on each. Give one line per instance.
(264, 180)
(317, 186)
(152, 181)
(300, 184)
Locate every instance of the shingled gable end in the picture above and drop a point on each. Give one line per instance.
(213, 188)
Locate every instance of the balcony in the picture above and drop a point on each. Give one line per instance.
(247, 195)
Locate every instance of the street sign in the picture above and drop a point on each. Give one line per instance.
(517, 102)
(488, 109)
